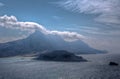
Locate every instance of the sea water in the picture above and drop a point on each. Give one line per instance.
(97, 67)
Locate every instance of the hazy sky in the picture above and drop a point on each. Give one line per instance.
(97, 22)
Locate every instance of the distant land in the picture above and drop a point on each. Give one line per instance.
(39, 42)
(60, 55)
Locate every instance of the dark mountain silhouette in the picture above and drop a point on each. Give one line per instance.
(60, 55)
(38, 42)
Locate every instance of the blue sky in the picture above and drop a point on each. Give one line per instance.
(96, 20)
(45, 12)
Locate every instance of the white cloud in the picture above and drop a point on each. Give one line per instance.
(69, 36)
(13, 23)
(108, 10)
(1, 4)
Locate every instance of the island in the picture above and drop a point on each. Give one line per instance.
(60, 55)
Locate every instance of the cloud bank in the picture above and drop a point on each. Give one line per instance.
(108, 11)
(12, 23)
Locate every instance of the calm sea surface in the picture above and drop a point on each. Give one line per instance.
(25, 68)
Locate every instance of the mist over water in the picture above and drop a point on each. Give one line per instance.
(25, 68)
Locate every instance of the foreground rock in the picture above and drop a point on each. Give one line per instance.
(113, 64)
(60, 55)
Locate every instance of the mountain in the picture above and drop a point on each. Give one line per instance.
(60, 55)
(39, 42)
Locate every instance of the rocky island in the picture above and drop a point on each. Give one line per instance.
(60, 55)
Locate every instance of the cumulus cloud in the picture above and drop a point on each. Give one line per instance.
(13, 23)
(108, 10)
(69, 36)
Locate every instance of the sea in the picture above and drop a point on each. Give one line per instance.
(97, 67)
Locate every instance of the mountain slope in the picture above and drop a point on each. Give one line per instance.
(38, 42)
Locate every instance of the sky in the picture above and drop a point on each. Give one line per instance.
(97, 22)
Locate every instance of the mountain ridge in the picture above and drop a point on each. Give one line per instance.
(38, 42)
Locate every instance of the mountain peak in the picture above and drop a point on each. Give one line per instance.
(38, 42)
(37, 34)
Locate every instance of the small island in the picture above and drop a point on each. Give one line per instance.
(60, 55)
